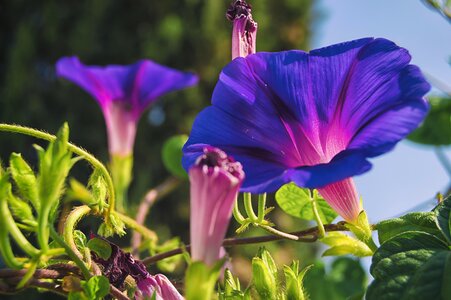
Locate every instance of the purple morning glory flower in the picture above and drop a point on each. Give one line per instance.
(123, 93)
(215, 181)
(312, 118)
(244, 33)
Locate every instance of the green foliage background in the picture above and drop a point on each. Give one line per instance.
(184, 34)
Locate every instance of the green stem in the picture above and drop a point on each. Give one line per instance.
(261, 207)
(77, 150)
(131, 223)
(248, 207)
(69, 227)
(84, 269)
(321, 231)
(370, 243)
(14, 231)
(279, 233)
(30, 272)
(56, 252)
(43, 227)
(121, 168)
(6, 250)
(237, 214)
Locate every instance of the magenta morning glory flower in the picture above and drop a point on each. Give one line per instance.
(312, 118)
(158, 285)
(215, 181)
(123, 93)
(244, 33)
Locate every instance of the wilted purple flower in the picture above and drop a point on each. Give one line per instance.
(312, 118)
(244, 34)
(123, 93)
(215, 180)
(120, 265)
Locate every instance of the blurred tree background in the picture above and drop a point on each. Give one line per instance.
(184, 34)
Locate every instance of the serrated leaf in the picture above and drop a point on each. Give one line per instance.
(25, 179)
(172, 155)
(417, 221)
(443, 217)
(97, 287)
(412, 265)
(101, 247)
(436, 128)
(297, 202)
(342, 244)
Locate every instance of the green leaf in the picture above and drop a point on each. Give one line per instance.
(232, 288)
(21, 211)
(412, 265)
(297, 202)
(200, 280)
(263, 279)
(342, 244)
(345, 280)
(436, 129)
(417, 221)
(443, 217)
(54, 166)
(362, 229)
(25, 179)
(294, 287)
(99, 189)
(172, 155)
(169, 264)
(77, 191)
(80, 239)
(101, 247)
(97, 287)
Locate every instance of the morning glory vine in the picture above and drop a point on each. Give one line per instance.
(286, 129)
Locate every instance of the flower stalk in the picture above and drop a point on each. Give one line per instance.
(321, 231)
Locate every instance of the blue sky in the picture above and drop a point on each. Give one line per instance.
(410, 174)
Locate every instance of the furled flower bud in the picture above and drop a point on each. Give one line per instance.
(244, 32)
(215, 181)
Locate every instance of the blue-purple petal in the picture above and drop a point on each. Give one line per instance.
(311, 118)
(136, 85)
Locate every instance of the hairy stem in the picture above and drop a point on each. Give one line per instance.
(71, 222)
(14, 231)
(77, 150)
(77, 260)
